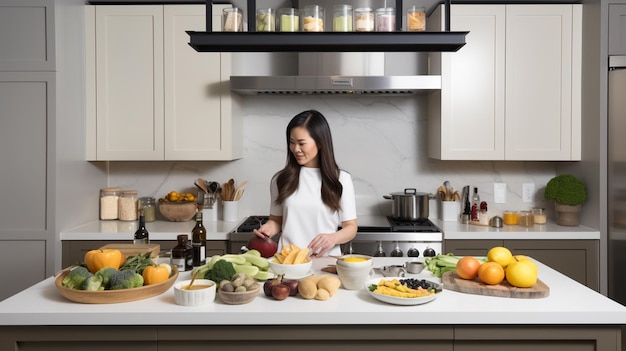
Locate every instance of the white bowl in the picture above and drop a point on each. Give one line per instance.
(362, 261)
(353, 277)
(194, 297)
(291, 271)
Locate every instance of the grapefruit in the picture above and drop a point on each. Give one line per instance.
(467, 267)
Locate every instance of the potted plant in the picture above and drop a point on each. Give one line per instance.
(568, 194)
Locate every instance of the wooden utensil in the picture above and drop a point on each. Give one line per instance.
(451, 281)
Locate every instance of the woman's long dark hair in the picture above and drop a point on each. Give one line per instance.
(288, 178)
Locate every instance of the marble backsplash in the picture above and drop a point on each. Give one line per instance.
(380, 140)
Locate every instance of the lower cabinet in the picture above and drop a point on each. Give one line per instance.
(577, 259)
(74, 250)
(330, 337)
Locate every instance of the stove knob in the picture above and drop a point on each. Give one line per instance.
(429, 252)
(413, 252)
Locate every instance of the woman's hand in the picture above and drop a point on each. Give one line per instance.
(270, 228)
(322, 243)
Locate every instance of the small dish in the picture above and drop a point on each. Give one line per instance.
(398, 300)
(202, 292)
(238, 298)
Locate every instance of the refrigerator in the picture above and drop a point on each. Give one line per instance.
(617, 178)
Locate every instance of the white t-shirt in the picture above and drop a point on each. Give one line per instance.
(304, 213)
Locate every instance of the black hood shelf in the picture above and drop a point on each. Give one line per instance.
(326, 41)
(398, 41)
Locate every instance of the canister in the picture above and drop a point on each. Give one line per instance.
(127, 205)
(147, 204)
(386, 19)
(539, 215)
(526, 219)
(289, 20)
(511, 217)
(266, 20)
(415, 19)
(342, 18)
(313, 18)
(109, 198)
(364, 19)
(232, 19)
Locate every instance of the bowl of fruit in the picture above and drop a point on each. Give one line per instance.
(241, 289)
(292, 262)
(178, 207)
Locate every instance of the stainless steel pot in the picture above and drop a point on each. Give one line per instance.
(409, 205)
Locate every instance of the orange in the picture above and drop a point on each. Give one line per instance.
(491, 273)
(467, 267)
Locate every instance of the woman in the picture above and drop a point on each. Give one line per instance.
(311, 196)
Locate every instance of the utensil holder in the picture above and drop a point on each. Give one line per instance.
(450, 211)
(230, 211)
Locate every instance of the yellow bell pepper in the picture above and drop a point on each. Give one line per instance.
(98, 259)
(155, 274)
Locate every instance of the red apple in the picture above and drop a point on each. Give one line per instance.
(280, 291)
(267, 247)
(293, 286)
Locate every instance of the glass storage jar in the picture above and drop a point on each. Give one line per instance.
(127, 205)
(386, 19)
(313, 18)
(342, 18)
(539, 215)
(265, 20)
(415, 19)
(232, 19)
(511, 217)
(108, 203)
(364, 19)
(147, 204)
(289, 20)
(526, 219)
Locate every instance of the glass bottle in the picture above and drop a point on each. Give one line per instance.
(364, 19)
(266, 20)
(198, 240)
(415, 19)
(232, 19)
(288, 20)
(141, 234)
(313, 18)
(379, 251)
(475, 205)
(386, 19)
(108, 203)
(182, 254)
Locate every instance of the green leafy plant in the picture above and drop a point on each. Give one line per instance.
(566, 189)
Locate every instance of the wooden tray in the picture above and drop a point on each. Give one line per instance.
(115, 296)
(134, 249)
(453, 282)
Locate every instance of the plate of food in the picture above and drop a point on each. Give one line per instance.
(403, 291)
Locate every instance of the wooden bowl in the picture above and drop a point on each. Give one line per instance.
(238, 298)
(177, 212)
(115, 296)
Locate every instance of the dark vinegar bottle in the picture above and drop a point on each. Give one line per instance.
(141, 235)
(198, 240)
(182, 254)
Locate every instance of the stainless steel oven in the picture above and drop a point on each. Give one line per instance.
(415, 238)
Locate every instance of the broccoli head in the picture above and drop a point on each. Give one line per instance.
(76, 277)
(93, 283)
(221, 270)
(126, 279)
(106, 273)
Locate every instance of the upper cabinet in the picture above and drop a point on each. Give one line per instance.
(150, 96)
(617, 29)
(513, 91)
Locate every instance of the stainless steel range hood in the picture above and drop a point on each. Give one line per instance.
(344, 74)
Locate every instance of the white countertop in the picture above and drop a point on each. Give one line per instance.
(569, 303)
(218, 230)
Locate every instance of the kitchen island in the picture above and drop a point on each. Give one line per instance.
(572, 317)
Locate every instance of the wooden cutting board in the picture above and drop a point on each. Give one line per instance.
(453, 282)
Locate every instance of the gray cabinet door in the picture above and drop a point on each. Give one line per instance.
(617, 29)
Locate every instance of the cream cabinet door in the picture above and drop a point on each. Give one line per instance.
(129, 82)
(543, 82)
(472, 91)
(196, 128)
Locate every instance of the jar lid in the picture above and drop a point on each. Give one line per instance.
(110, 189)
(363, 9)
(130, 192)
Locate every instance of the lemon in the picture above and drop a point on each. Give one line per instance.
(501, 255)
(522, 274)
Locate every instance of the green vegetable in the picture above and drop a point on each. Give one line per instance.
(93, 283)
(76, 277)
(126, 279)
(221, 270)
(106, 274)
(440, 264)
(138, 262)
(372, 287)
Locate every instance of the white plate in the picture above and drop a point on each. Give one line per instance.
(397, 300)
